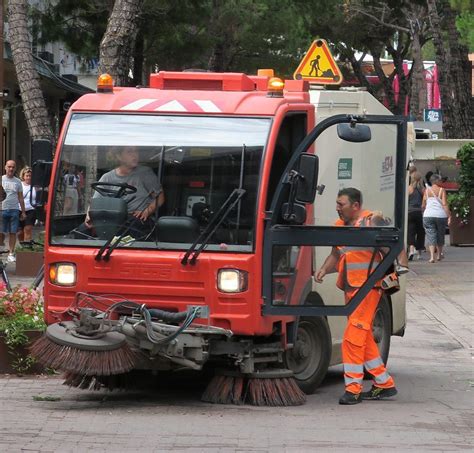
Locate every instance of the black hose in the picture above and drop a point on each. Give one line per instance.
(167, 316)
(190, 317)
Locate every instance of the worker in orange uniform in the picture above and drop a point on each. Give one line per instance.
(354, 264)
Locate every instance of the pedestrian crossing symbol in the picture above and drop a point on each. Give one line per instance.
(318, 66)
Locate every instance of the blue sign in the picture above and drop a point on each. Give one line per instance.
(432, 115)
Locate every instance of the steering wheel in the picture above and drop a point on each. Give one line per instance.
(112, 189)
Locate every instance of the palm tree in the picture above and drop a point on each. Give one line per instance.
(118, 42)
(34, 105)
(454, 69)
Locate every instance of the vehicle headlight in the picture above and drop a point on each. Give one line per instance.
(232, 280)
(63, 274)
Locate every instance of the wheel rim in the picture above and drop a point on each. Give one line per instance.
(306, 354)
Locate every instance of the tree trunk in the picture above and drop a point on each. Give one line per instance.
(404, 82)
(454, 72)
(349, 55)
(386, 82)
(139, 61)
(418, 97)
(398, 54)
(32, 98)
(118, 43)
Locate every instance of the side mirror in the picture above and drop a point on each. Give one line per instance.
(306, 185)
(353, 132)
(42, 159)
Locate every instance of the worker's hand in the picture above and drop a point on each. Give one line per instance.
(319, 275)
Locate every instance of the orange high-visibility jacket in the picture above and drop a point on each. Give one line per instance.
(356, 263)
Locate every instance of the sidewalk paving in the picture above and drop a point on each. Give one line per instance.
(431, 364)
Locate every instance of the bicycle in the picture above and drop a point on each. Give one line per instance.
(3, 271)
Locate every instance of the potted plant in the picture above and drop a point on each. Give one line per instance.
(29, 258)
(461, 204)
(21, 322)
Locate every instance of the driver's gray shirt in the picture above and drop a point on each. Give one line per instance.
(143, 179)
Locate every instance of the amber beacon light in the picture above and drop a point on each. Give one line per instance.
(105, 84)
(275, 87)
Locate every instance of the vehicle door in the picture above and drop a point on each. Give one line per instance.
(363, 152)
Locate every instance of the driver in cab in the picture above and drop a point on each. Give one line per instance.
(149, 195)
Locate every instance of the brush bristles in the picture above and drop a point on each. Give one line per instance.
(275, 392)
(254, 391)
(67, 358)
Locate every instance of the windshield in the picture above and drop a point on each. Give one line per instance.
(156, 181)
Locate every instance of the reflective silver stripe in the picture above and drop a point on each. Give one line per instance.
(350, 380)
(382, 378)
(374, 363)
(353, 368)
(357, 266)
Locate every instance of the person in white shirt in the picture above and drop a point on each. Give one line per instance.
(13, 207)
(436, 215)
(25, 233)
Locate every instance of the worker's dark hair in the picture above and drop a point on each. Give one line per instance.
(351, 193)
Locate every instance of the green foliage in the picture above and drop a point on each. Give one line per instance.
(459, 202)
(30, 247)
(79, 24)
(429, 51)
(465, 25)
(20, 311)
(465, 157)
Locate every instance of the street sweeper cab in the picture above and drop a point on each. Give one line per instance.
(182, 227)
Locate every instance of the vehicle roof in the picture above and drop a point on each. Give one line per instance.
(197, 101)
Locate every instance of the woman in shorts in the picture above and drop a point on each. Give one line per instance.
(25, 233)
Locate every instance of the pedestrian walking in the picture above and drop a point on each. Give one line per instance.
(13, 207)
(354, 265)
(416, 231)
(436, 216)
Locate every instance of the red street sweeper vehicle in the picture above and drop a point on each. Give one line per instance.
(215, 270)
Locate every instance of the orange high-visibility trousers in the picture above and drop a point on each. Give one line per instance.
(359, 349)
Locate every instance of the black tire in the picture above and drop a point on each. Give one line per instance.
(382, 327)
(309, 358)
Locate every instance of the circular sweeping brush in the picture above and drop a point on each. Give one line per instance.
(62, 348)
(271, 387)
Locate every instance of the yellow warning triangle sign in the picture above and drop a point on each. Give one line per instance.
(318, 65)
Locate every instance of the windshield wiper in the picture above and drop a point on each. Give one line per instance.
(212, 226)
(114, 241)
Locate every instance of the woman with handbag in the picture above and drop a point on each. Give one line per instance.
(436, 216)
(25, 232)
(416, 232)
